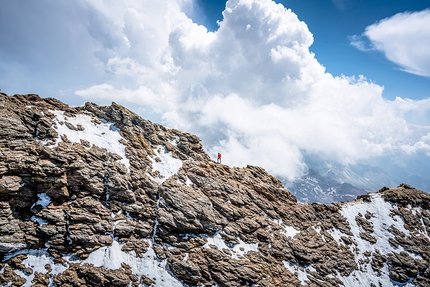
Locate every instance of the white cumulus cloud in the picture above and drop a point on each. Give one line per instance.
(251, 90)
(403, 38)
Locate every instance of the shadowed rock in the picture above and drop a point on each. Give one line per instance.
(158, 200)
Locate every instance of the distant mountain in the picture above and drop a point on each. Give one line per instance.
(327, 181)
(98, 196)
(314, 187)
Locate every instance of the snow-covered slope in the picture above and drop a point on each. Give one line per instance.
(379, 219)
(380, 216)
(81, 128)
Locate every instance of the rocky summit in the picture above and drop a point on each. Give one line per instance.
(98, 196)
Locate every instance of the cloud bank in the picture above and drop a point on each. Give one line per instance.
(251, 90)
(402, 38)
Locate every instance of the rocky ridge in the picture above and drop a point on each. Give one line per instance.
(98, 196)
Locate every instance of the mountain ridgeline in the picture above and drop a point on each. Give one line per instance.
(98, 196)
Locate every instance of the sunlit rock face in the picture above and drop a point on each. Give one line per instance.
(98, 196)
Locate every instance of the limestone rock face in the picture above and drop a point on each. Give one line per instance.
(98, 196)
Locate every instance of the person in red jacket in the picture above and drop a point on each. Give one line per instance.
(218, 160)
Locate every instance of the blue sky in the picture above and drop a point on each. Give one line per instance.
(332, 23)
(346, 81)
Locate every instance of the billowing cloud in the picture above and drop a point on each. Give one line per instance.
(251, 90)
(402, 38)
(254, 91)
(423, 145)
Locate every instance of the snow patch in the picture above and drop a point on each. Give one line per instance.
(188, 182)
(238, 249)
(424, 228)
(289, 231)
(105, 135)
(381, 221)
(111, 257)
(186, 257)
(174, 142)
(336, 234)
(301, 271)
(44, 200)
(37, 260)
(366, 277)
(167, 165)
(38, 220)
(317, 229)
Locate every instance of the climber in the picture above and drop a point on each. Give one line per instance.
(218, 160)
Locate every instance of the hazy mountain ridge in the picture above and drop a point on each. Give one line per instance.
(314, 187)
(327, 181)
(97, 196)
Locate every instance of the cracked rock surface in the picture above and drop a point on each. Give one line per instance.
(98, 196)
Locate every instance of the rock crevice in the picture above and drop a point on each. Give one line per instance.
(103, 197)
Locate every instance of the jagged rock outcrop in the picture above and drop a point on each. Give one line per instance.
(98, 196)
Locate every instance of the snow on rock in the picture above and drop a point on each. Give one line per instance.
(366, 277)
(174, 142)
(289, 231)
(44, 200)
(239, 249)
(164, 163)
(37, 260)
(301, 272)
(416, 211)
(336, 234)
(188, 182)
(186, 257)
(111, 257)
(11, 247)
(425, 233)
(105, 135)
(381, 220)
(38, 220)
